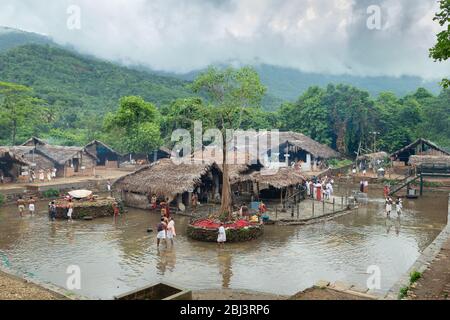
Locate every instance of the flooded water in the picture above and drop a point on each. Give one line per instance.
(116, 257)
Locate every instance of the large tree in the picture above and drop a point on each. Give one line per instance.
(441, 51)
(135, 125)
(230, 91)
(19, 110)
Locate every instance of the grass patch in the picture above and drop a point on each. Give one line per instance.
(2, 199)
(336, 163)
(50, 193)
(413, 278)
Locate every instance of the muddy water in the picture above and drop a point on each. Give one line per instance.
(116, 257)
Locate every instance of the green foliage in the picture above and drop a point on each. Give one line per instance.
(138, 122)
(441, 51)
(230, 91)
(336, 163)
(403, 293)
(50, 193)
(2, 199)
(414, 276)
(78, 90)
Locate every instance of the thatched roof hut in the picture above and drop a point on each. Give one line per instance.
(298, 141)
(419, 147)
(373, 156)
(7, 154)
(283, 178)
(425, 160)
(34, 141)
(60, 155)
(164, 178)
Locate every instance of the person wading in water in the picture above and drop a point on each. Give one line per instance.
(161, 228)
(21, 206)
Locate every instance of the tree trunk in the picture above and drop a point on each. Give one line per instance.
(227, 201)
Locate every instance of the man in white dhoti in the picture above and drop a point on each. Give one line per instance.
(222, 237)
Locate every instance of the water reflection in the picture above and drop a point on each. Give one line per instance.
(116, 256)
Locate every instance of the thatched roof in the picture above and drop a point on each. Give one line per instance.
(298, 141)
(34, 141)
(60, 154)
(373, 156)
(283, 178)
(419, 160)
(98, 142)
(164, 178)
(9, 155)
(416, 143)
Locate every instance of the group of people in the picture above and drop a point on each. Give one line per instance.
(319, 188)
(22, 203)
(398, 206)
(43, 175)
(166, 230)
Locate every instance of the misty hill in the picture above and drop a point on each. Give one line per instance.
(284, 84)
(288, 84)
(63, 77)
(11, 38)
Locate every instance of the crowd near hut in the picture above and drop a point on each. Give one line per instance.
(37, 155)
(372, 161)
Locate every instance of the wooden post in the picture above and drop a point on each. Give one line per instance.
(342, 203)
(298, 211)
(323, 206)
(334, 203)
(276, 213)
(313, 207)
(421, 185)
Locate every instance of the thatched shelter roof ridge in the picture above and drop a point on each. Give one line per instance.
(104, 145)
(419, 160)
(374, 156)
(305, 143)
(165, 178)
(417, 142)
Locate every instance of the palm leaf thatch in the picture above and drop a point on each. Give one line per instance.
(9, 155)
(424, 160)
(284, 177)
(373, 156)
(430, 144)
(298, 141)
(164, 178)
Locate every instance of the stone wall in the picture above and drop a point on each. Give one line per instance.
(422, 263)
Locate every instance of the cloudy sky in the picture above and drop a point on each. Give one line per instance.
(323, 36)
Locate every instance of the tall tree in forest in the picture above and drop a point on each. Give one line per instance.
(349, 111)
(230, 91)
(136, 125)
(17, 108)
(308, 115)
(441, 51)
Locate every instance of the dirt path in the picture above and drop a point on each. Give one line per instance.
(435, 281)
(12, 288)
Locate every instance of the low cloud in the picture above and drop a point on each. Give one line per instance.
(322, 36)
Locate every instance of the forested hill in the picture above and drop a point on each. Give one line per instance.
(67, 79)
(11, 38)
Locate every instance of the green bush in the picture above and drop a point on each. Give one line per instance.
(414, 276)
(403, 292)
(2, 199)
(50, 193)
(336, 163)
